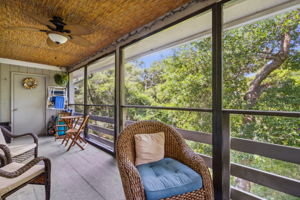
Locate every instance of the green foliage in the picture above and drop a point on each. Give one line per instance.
(78, 91)
(61, 79)
(105, 93)
(183, 79)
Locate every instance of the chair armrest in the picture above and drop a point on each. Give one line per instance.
(131, 180)
(2, 160)
(6, 132)
(26, 167)
(196, 162)
(35, 138)
(7, 153)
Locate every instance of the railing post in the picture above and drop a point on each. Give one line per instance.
(226, 154)
(221, 173)
(85, 99)
(119, 92)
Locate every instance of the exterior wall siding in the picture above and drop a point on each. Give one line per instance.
(5, 87)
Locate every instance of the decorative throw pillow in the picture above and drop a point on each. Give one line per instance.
(149, 147)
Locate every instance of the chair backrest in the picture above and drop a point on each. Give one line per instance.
(60, 130)
(83, 124)
(62, 114)
(125, 147)
(2, 138)
(7, 135)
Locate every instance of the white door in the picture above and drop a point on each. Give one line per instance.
(28, 105)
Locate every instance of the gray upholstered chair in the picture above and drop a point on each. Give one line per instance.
(18, 153)
(14, 176)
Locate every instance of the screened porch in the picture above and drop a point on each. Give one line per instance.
(223, 74)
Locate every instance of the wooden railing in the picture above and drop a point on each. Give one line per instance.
(274, 151)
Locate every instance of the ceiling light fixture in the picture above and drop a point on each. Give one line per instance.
(57, 38)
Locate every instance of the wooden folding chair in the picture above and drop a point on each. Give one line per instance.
(73, 123)
(74, 134)
(61, 126)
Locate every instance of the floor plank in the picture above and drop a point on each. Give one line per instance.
(76, 175)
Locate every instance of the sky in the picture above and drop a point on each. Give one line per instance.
(157, 56)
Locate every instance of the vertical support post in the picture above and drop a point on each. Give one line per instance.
(220, 137)
(119, 93)
(85, 97)
(68, 89)
(226, 155)
(71, 89)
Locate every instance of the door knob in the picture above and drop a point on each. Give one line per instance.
(15, 109)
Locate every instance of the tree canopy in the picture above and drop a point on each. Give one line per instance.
(261, 72)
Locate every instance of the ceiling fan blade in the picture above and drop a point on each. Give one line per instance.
(81, 41)
(40, 19)
(25, 29)
(52, 44)
(78, 29)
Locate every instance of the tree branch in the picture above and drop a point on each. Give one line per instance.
(256, 87)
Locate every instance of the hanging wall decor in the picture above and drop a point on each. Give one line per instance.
(61, 79)
(29, 83)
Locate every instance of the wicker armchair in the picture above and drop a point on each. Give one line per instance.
(175, 147)
(18, 153)
(14, 176)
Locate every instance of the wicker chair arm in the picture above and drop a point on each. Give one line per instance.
(7, 154)
(196, 162)
(6, 132)
(26, 167)
(2, 160)
(35, 138)
(131, 180)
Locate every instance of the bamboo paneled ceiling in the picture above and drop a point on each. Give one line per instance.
(109, 20)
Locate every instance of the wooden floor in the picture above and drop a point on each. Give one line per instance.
(76, 175)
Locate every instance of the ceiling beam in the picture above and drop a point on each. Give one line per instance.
(31, 64)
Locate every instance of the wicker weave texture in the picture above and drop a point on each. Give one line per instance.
(175, 147)
(197, 194)
(41, 179)
(24, 156)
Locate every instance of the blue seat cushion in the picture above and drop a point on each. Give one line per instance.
(168, 177)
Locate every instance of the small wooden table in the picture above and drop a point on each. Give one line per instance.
(71, 121)
(75, 127)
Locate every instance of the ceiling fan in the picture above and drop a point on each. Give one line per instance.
(59, 32)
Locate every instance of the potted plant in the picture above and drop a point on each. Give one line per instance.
(61, 79)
